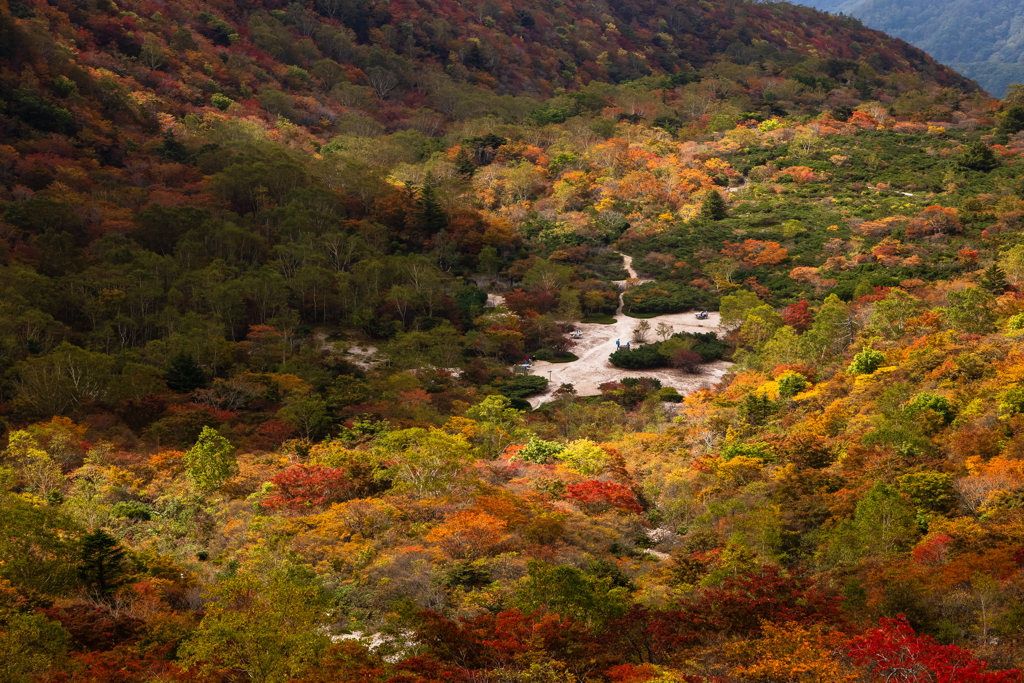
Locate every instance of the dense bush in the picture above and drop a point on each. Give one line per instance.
(866, 362)
(521, 386)
(639, 358)
(667, 297)
(706, 345)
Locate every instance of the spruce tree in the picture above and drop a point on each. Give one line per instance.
(1011, 122)
(183, 374)
(713, 207)
(431, 216)
(464, 163)
(977, 157)
(994, 279)
(101, 568)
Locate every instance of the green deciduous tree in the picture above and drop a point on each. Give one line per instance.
(569, 592)
(891, 315)
(735, 307)
(584, 456)
(41, 473)
(308, 413)
(866, 362)
(271, 631)
(30, 645)
(971, 310)
(833, 329)
(38, 546)
(932, 491)
(500, 425)
(211, 461)
(427, 463)
(65, 378)
(884, 523)
(1012, 263)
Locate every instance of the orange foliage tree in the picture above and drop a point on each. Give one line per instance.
(469, 535)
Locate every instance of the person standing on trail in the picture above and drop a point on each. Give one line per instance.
(617, 345)
(627, 346)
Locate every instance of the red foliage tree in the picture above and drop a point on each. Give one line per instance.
(121, 665)
(495, 640)
(798, 316)
(765, 593)
(894, 652)
(271, 434)
(302, 487)
(653, 636)
(597, 496)
(95, 628)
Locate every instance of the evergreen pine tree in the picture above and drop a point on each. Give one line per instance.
(431, 216)
(994, 279)
(1011, 122)
(101, 568)
(183, 373)
(713, 207)
(464, 163)
(977, 157)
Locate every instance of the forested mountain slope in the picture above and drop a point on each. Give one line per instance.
(982, 40)
(256, 393)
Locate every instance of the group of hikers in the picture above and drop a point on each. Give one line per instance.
(702, 315)
(618, 345)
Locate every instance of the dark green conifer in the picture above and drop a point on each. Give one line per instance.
(977, 157)
(431, 216)
(183, 373)
(464, 163)
(994, 279)
(101, 567)
(1011, 122)
(713, 207)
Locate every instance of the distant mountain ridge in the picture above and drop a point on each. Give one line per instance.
(982, 40)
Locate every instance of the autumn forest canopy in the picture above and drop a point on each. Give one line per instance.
(271, 271)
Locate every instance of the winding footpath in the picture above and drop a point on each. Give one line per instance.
(598, 342)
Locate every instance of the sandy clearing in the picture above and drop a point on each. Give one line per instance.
(598, 342)
(363, 356)
(593, 369)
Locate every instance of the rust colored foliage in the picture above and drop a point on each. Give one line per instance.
(95, 628)
(767, 593)
(121, 665)
(755, 253)
(654, 636)
(495, 640)
(934, 220)
(599, 496)
(469, 534)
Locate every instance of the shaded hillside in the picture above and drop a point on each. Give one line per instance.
(401, 64)
(982, 40)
